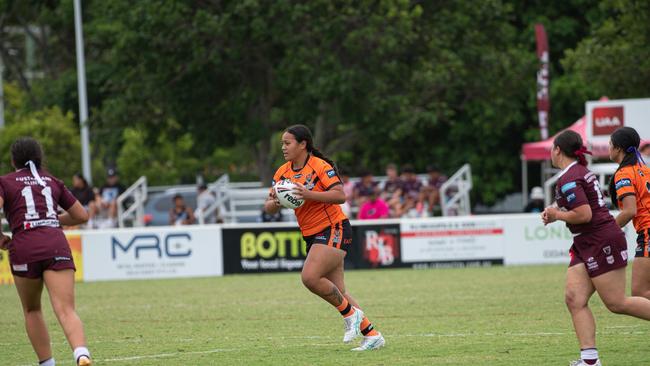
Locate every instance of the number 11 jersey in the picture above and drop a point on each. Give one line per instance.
(31, 210)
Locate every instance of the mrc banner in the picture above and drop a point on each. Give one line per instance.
(146, 253)
(74, 239)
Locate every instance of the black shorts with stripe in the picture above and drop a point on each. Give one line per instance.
(338, 236)
(642, 244)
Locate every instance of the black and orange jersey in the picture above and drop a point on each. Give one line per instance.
(318, 176)
(635, 180)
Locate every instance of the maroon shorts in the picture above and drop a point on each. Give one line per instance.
(601, 251)
(36, 269)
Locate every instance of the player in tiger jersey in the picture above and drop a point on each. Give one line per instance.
(599, 250)
(630, 191)
(39, 253)
(325, 228)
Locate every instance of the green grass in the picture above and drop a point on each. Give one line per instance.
(479, 316)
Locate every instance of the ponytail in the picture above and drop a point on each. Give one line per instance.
(628, 140)
(314, 151)
(580, 155)
(629, 159)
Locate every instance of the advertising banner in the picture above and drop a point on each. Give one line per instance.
(375, 246)
(165, 252)
(74, 239)
(263, 249)
(528, 241)
(469, 240)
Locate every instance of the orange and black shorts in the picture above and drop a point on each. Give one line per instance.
(642, 239)
(338, 236)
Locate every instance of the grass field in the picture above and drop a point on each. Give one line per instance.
(479, 316)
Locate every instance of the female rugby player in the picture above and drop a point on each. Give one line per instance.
(39, 253)
(599, 251)
(325, 228)
(630, 191)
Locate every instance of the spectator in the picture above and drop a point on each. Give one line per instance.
(204, 200)
(348, 186)
(432, 189)
(180, 214)
(536, 203)
(364, 189)
(374, 208)
(108, 196)
(85, 195)
(411, 185)
(415, 205)
(392, 190)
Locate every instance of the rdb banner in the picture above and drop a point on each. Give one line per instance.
(263, 249)
(375, 246)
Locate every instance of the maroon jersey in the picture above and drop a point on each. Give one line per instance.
(578, 186)
(31, 210)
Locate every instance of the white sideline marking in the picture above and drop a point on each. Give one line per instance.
(335, 341)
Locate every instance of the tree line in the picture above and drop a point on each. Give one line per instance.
(180, 88)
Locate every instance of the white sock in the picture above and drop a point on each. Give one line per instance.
(589, 354)
(80, 351)
(48, 362)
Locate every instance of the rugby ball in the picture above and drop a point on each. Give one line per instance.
(284, 192)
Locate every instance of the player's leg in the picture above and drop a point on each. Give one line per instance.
(641, 277)
(578, 290)
(357, 323)
(611, 289)
(321, 260)
(349, 308)
(60, 285)
(29, 291)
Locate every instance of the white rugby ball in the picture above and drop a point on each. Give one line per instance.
(284, 192)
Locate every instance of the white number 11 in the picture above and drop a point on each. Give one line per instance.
(31, 205)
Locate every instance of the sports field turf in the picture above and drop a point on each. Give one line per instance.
(478, 316)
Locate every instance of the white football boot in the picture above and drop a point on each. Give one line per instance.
(371, 342)
(353, 326)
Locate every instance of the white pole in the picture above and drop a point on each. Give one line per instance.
(81, 86)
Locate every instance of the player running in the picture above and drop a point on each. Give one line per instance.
(325, 228)
(630, 191)
(38, 250)
(599, 251)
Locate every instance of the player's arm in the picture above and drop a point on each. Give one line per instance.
(272, 205)
(75, 215)
(579, 215)
(335, 195)
(628, 210)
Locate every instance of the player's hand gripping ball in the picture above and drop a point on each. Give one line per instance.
(286, 196)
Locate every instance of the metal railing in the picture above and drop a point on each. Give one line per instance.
(454, 193)
(135, 197)
(219, 189)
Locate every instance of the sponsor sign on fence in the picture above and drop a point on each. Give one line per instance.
(468, 240)
(168, 252)
(212, 250)
(266, 249)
